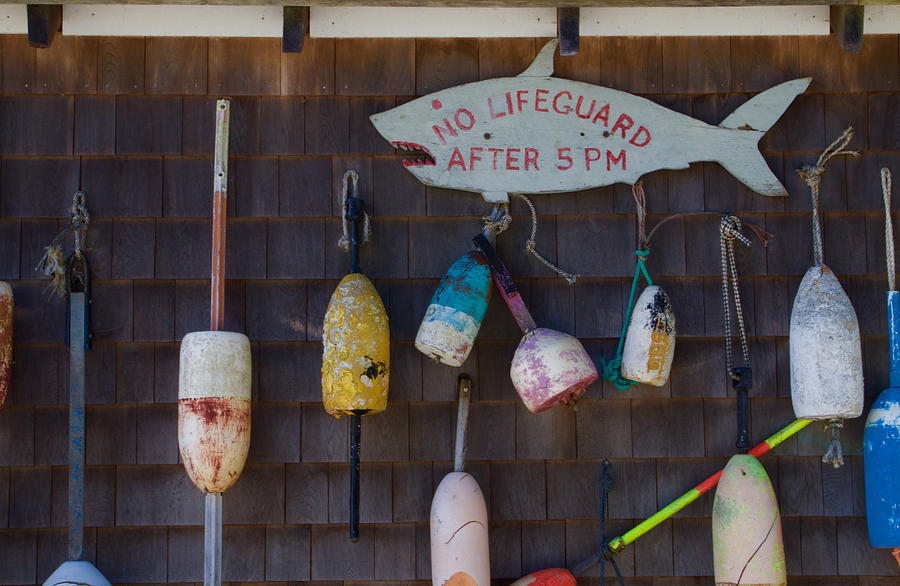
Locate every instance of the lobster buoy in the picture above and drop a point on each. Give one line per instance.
(453, 317)
(747, 543)
(76, 572)
(6, 339)
(214, 407)
(650, 341)
(825, 351)
(460, 553)
(549, 577)
(356, 355)
(550, 367)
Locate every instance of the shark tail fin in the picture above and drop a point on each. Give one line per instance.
(756, 117)
(743, 160)
(762, 110)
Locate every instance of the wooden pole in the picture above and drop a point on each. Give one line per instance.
(220, 203)
(212, 546)
(77, 334)
(462, 419)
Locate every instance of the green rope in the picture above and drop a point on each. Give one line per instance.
(612, 370)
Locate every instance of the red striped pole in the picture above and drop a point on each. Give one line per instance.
(220, 203)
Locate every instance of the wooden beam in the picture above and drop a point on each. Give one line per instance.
(294, 29)
(44, 21)
(568, 25)
(847, 25)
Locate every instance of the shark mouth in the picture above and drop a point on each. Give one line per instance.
(418, 155)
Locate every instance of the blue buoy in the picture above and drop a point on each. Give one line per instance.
(881, 442)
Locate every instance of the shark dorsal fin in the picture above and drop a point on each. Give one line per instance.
(542, 66)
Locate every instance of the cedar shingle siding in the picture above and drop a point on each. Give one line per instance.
(131, 121)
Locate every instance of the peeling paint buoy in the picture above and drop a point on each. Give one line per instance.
(825, 351)
(650, 341)
(459, 533)
(6, 339)
(214, 407)
(746, 526)
(453, 317)
(356, 349)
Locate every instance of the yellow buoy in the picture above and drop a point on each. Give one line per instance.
(356, 358)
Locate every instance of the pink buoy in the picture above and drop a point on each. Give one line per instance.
(549, 367)
(746, 526)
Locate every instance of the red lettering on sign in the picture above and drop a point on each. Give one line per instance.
(473, 157)
(496, 152)
(510, 159)
(602, 114)
(563, 155)
(460, 124)
(646, 134)
(568, 108)
(578, 108)
(520, 100)
(509, 103)
(456, 159)
(439, 131)
(531, 156)
(624, 122)
(491, 109)
(611, 160)
(538, 100)
(588, 159)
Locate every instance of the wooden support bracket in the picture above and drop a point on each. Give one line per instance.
(44, 21)
(847, 25)
(295, 28)
(568, 24)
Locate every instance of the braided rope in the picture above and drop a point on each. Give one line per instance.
(729, 231)
(835, 453)
(888, 228)
(640, 204)
(344, 241)
(812, 175)
(530, 244)
(53, 262)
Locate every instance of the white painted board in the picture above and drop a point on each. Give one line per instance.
(881, 20)
(171, 20)
(717, 21)
(13, 19)
(369, 22)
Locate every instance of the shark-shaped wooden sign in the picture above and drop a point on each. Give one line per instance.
(540, 134)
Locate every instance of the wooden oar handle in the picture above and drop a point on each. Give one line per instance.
(506, 285)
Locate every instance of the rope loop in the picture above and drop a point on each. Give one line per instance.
(812, 175)
(835, 453)
(53, 263)
(351, 177)
(531, 248)
(729, 231)
(498, 221)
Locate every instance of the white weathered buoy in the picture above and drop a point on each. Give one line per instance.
(746, 526)
(6, 339)
(214, 407)
(460, 552)
(650, 341)
(76, 573)
(825, 351)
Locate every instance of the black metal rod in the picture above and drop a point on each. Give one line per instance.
(355, 432)
(354, 214)
(742, 384)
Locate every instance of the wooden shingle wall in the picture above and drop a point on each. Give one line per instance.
(130, 121)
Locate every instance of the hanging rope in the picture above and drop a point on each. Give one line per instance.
(888, 228)
(812, 175)
(835, 453)
(53, 263)
(612, 369)
(606, 485)
(530, 244)
(344, 241)
(498, 221)
(729, 231)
